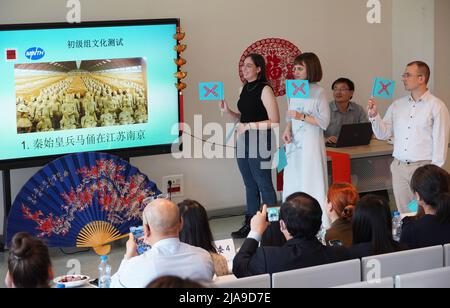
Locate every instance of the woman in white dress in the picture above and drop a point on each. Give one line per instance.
(304, 136)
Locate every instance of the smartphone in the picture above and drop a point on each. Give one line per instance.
(148, 200)
(138, 233)
(273, 214)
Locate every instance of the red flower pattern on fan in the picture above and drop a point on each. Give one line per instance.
(118, 196)
(47, 225)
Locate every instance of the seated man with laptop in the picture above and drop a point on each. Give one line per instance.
(353, 135)
(343, 111)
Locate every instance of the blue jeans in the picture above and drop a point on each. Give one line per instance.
(251, 151)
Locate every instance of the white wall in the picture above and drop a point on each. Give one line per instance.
(413, 28)
(336, 30)
(18, 179)
(442, 52)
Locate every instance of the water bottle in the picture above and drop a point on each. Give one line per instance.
(104, 273)
(396, 227)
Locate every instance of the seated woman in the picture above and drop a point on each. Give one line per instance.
(431, 185)
(343, 110)
(29, 264)
(372, 228)
(342, 198)
(196, 232)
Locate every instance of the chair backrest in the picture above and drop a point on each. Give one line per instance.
(447, 255)
(437, 278)
(254, 282)
(402, 262)
(323, 276)
(384, 283)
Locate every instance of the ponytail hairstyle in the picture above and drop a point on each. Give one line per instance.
(343, 198)
(432, 184)
(29, 262)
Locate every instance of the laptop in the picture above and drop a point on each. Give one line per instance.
(353, 135)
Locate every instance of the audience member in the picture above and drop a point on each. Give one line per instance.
(197, 232)
(168, 256)
(29, 264)
(372, 228)
(173, 282)
(301, 218)
(342, 198)
(431, 186)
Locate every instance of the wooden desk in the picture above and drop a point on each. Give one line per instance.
(375, 148)
(366, 167)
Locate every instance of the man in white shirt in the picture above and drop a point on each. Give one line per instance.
(168, 256)
(420, 125)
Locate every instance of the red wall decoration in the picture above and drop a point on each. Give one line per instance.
(280, 55)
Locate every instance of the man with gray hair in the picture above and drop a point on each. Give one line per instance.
(168, 256)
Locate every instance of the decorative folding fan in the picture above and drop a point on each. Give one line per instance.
(81, 200)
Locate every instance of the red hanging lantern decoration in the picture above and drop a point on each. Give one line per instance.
(180, 75)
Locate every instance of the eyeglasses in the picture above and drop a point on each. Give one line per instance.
(408, 75)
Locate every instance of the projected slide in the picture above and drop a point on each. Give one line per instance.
(92, 87)
(80, 94)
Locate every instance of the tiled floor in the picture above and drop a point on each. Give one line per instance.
(88, 261)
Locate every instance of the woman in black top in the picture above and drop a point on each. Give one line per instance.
(372, 228)
(258, 114)
(431, 185)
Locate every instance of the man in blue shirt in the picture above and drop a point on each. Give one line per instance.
(343, 111)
